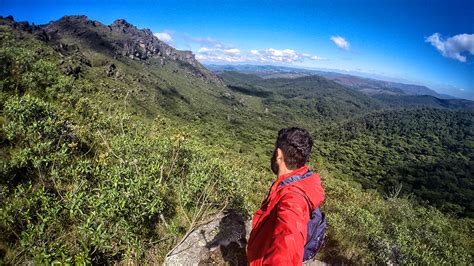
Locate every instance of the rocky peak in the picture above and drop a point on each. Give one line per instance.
(73, 20)
(121, 25)
(121, 21)
(124, 38)
(78, 18)
(120, 38)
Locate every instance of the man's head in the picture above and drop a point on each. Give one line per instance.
(292, 149)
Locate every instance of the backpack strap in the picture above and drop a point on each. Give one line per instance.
(298, 190)
(301, 192)
(295, 178)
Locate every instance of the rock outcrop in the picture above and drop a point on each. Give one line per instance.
(123, 39)
(120, 38)
(221, 241)
(142, 44)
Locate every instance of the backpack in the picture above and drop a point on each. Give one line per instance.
(316, 223)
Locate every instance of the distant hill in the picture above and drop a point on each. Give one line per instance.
(396, 101)
(391, 94)
(372, 86)
(313, 96)
(365, 85)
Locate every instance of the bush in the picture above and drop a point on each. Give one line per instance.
(107, 202)
(372, 229)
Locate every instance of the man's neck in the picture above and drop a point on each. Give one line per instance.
(283, 171)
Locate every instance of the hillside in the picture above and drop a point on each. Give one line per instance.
(387, 94)
(386, 149)
(114, 145)
(369, 86)
(312, 96)
(409, 101)
(427, 152)
(373, 86)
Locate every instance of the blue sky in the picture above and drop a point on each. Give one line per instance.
(423, 42)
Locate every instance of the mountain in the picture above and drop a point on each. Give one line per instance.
(366, 85)
(119, 38)
(132, 62)
(372, 86)
(115, 146)
(388, 94)
(411, 101)
(264, 71)
(317, 98)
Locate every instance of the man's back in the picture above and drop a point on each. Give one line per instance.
(279, 227)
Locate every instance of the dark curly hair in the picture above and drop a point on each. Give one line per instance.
(296, 144)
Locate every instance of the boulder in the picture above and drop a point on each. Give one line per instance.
(221, 241)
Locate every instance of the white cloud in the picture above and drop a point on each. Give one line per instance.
(453, 47)
(317, 58)
(211, 50)
(232, 51)
(255, 52)
(275, 55)
(270, 55)
(286, 55)
(218, 54)
(205, 42)
(282, 56)
(203, 50)
(164, 36)
(340, 42)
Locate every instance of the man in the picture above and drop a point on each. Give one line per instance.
(279, 227)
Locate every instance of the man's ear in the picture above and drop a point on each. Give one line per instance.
(280, 154)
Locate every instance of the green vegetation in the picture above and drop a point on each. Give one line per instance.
(367, 228)
(311, 98)
(418, 101)
(104, 164)
(427, 152)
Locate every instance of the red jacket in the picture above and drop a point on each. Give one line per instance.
(279, 227)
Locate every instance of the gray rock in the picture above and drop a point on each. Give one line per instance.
(221, 241)
(314, 262)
